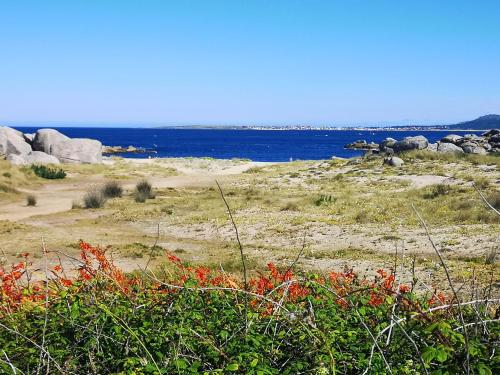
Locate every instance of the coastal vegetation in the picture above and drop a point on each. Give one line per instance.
(181, 318)
(327, 244)
(49, 173)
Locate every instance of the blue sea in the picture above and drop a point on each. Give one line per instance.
(257, 145)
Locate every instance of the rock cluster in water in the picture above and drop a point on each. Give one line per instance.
(488, 142)
(47, 146)
(126, 150)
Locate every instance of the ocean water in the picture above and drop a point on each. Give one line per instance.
(257, 145)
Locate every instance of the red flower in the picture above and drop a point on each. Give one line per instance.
(173, 258)
(404, 288)
(382, 273)
(66, 282)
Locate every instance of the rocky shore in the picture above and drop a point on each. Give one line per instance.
(110, 150)
(47, 146)
(488, 142)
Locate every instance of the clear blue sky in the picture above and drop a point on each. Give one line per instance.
(241, 62)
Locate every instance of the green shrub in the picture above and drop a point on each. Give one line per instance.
(324, 199)
(30, 200)
(190, 320)
(438, 190)
(94, 198)
(112, 189)
(49, 173)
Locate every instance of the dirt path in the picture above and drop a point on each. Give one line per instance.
(54, 198)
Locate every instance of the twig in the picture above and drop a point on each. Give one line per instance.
(485, 200)
(11, 365)
(460, 313)
(154, 246)
(245, 281)
(36, 345)
(298, 255)
(44, 330)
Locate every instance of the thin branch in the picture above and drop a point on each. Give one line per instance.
(460, 313)
(485, 200)
(36, 345)
(154, 246)
(298, 255)
(245, 281)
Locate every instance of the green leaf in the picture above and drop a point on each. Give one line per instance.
(441, 355)
(482, 369)
(429, 354)
(233, 367)
(181, 364)
(254, 362)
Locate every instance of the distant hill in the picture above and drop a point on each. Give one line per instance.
(481, 123)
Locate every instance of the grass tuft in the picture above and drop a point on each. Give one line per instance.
(30, 200)
(143, 191)
(94, 198)
(112, 189)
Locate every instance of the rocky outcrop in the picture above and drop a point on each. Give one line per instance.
(433, 147)
(362, 145)
(12, 142)
(473, 148)
(449, 147)
(451, 138)
(47, 146)
(488, 142)
(45, 138)
(387, 143)
(394, 161)
(78, 150)
(33, 157)
(418, 142)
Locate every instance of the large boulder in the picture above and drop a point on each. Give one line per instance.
(449, 147)
(418, 142)
(473, 148)
(12, 142)
(451, 138)
(77, 150)
(394, 161)
(472, 137)
(491, 132)
(387, 143)
(432, 147)
(16, 159)
(45, 139)
(34, 157)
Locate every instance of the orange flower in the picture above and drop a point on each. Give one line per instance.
(66, 282)
(58, 268)
(382, 273)
(404, 288)
(173, 258)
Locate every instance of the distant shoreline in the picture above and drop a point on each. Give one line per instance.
(288, 128)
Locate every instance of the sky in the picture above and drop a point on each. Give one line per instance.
(235, 62)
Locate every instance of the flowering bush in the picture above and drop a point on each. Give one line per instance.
(186, 319)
